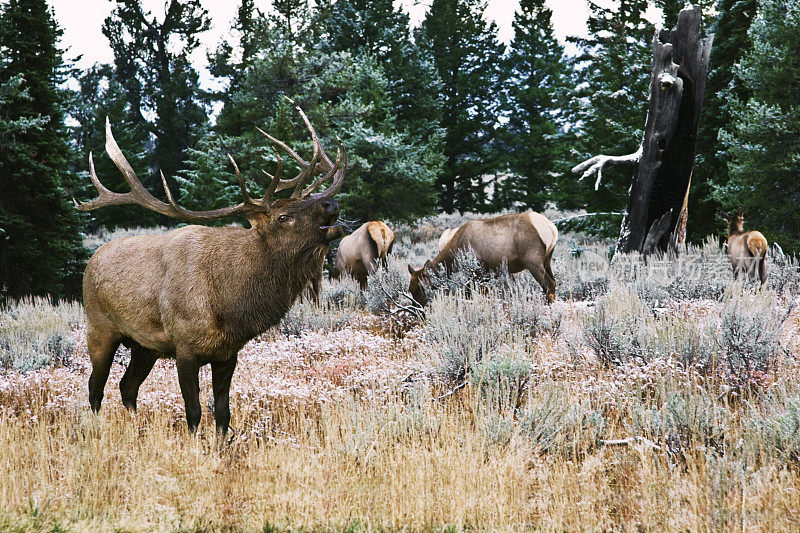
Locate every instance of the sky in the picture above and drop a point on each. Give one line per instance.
(82, 21)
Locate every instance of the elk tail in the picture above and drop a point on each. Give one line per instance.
(757, 246)
(382, 239)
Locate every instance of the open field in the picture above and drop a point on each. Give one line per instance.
(658, 396)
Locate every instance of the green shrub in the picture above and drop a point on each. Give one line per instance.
(464, 331)
(502, 379)
(555, 424)
(35, 333)
(343, 293)
(774, 430)
(749, 334)
(685, 420)
(306, 315)
(528, 312)
(625, 329)
(498, 430)
(619, 330)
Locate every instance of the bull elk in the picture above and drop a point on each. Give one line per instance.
(747, 251)
(361, 252)
(198, 294)
(524, 241)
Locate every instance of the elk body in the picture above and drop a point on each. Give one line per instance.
(198, 294)
(747, 250)
(445, 237)
(524, 241)
(361, 252)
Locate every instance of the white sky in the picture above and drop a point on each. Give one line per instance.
(81, 21)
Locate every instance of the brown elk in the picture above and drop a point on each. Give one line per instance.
(747, 251)
(198, 294)
(524, 241)
(361, 252)
(445, 237)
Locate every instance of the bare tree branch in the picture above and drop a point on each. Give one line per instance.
(596, 164)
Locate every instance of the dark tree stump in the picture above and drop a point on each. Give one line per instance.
(656, 214)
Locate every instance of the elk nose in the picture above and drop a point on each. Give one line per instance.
(331, 207)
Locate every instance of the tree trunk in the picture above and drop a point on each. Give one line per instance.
(656, 215)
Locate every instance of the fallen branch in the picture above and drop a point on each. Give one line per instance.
(596, 164)
(631, 440)
(414, 309)
(456, 389)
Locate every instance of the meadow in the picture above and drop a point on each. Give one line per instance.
(654, 395)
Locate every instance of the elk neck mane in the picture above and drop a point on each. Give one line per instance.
(256, 293)
(735, 228)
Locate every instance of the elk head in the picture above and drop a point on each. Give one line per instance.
(735, 220)
(419, 277)
(305, 219)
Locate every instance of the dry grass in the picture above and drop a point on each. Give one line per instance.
(345, 427)
(329, 437)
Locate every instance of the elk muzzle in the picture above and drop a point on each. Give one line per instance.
(330, 209)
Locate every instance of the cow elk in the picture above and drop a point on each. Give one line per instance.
(198, 294)
(747, 251)
(361, 252)
(523, 241)
(445, 237)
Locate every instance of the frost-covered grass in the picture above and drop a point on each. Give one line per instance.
(648, 396)
(36, 332)
(93, 241)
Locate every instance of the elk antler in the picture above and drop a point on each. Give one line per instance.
(331, 170)
(138, 195)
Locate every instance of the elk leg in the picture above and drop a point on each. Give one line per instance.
(101, 348)
(221, 374)
(549, 270)
(548, 284)
(142, 361)
(189, 380)
(359, 273)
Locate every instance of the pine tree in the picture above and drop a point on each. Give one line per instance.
(375, 27)
(152, 64)
(344, 92)
(467, 55)
(536, 78)
(610, 106)
(762, 144)
(730, 44)
(344, 95)
(40, 242)
(262, 40)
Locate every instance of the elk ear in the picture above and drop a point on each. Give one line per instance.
(739, 212)
(427, 264)
(411, 270)
(724, 215)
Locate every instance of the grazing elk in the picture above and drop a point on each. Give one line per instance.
(523, 241)
(198, 294)
(747, 251)
(362, 251)
(446, 236)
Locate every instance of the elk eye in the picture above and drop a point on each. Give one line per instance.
(283, 218)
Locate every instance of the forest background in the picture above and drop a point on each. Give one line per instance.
(437, 116)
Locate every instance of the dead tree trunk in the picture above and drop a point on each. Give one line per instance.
(656, 215)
